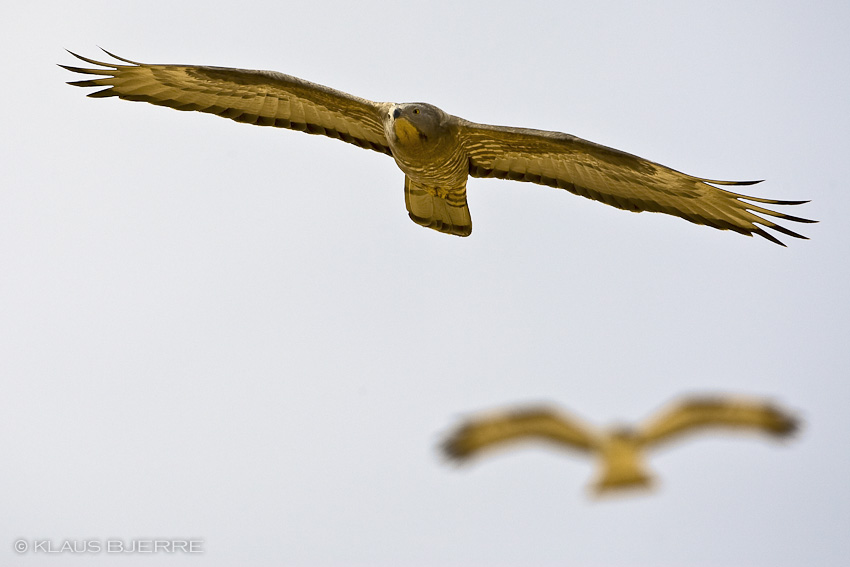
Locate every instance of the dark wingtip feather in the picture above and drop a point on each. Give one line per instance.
(87, 60)
(788, 232)
(769, 236)
(767, 201)
(750, 197)
(74, 69)
(453, 450)
(102, 94)
(797, 219)
(789, 426)
(788, 202)
(783, 423)
(118, 58)
(85, 83)
(719, 182)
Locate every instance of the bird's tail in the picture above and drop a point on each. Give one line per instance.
(621, 466)
(615, 479)
(444, 210)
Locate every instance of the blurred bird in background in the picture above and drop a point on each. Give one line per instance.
(619, 449)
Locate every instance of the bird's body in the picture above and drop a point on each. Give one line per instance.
(437, 151)
(427, 146)
(621, 463)
(621, 449)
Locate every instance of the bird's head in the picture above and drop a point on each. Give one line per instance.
(416, 123)
(622, 434)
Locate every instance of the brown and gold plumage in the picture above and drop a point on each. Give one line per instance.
(437, 151)
(619, 449)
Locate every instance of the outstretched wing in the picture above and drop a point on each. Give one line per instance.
(616, 178)
(265, 98)
(485, 432)
(700, 413)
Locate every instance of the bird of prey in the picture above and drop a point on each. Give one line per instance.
(437, 151)
(619, 449)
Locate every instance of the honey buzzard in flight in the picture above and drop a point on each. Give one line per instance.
(437, 151)
(620, 450)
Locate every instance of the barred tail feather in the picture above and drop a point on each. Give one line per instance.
(444, 211)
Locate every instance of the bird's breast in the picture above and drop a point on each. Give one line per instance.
(432, 159)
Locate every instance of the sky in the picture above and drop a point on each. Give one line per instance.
(234, 335)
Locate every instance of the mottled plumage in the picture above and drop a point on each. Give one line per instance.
(619, 449)
(438, 151)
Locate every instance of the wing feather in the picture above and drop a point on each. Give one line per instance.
(616, 178)
(532, 423)
(265, 98)
(700, 413)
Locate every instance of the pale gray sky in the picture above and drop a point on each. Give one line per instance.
(210, 332)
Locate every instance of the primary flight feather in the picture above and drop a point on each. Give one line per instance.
(437, 151)
(619, 449)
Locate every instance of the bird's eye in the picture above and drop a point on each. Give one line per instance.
(415, 111)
